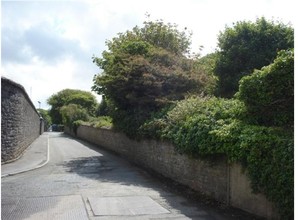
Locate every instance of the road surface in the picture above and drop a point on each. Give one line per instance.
(82, 181)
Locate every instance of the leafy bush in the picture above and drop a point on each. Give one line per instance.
(247, 46)
(269, 93)
(71, 113)
(191, 123)
(206, 127)
(129, 121)
(100, 122)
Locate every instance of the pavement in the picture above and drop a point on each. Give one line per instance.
(35, 156)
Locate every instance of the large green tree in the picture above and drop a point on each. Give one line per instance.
(66, 97)
(247, 46)
(144, 70)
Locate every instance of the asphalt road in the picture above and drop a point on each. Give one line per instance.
(82, 181)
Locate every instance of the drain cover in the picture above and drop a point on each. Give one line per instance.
(57, 207)
(128, 205)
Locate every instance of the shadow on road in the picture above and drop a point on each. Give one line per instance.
(109, 167)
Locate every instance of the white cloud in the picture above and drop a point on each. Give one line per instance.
(47, 45)
(41, 80)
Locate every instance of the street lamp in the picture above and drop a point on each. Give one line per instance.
(39, 103)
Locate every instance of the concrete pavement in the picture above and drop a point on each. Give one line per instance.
(34, 157)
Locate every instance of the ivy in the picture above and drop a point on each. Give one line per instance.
(205, 127)
(270, 165)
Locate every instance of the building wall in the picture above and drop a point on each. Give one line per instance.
(20, 121)
(224, 182)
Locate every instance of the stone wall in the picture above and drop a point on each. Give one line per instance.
(20, 121)
(224, 182)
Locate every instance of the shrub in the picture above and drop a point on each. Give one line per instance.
(206, 127)
(191, 122)
(269, 93)
(71, 113)
(101, 122)
(247, 46)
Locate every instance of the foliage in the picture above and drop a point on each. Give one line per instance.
(206, 65)
(153, 127)
(146, 74)
(164, 36)
(103, 122)
(144, 71)
(155, 33)
(269, 93)
(75, 125)
(247, 46)
(46, 117)
(99, 122)
(207, 126)
(191, 123)
(73, 112)
(70, 96)
(269, 155)
(103, 107)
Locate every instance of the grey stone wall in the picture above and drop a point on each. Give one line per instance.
(20, 121)
(223, 181)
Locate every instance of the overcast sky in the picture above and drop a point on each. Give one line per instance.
(47, 46)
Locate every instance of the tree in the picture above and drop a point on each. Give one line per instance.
(269, 93)
(143, 71)
(247, 46)
(46, 117)
(70, 96)
(206, 64)
(103, 107)
(71, 113)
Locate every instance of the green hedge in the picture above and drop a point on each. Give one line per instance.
(206, 127)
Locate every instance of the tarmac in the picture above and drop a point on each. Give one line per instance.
(35, 156)
(122, 193)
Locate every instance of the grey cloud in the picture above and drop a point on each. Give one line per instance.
(13, 46)
(40, 41)
(49, 45)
